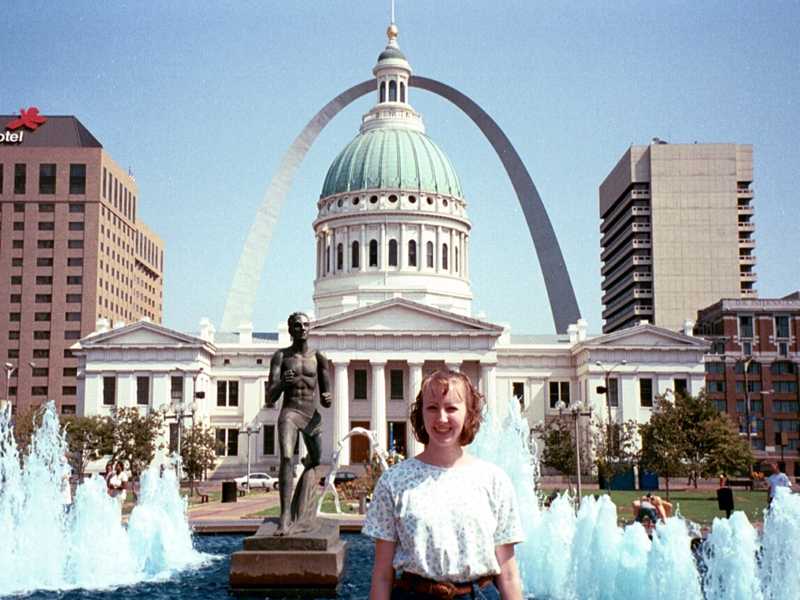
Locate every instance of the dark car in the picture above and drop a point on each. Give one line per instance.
(341, 477)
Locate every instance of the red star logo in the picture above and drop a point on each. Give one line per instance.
(30, 118)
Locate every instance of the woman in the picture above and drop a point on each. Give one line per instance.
(448, 521)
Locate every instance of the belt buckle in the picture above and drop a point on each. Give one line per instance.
(444, 590)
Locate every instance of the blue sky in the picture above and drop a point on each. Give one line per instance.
(202, 99)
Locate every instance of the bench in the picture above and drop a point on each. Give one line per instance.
(203, 498)
(742, 483)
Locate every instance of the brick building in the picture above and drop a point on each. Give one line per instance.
(755, 356)
(72, 251)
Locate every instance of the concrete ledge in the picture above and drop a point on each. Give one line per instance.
(264, 570)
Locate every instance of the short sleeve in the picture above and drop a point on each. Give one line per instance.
(379, 523)
(509, 527)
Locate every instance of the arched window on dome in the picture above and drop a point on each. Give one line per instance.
(339, 256)
(354, 248)
(392, 91)
(455, 260)
(444, 257)
(383, 91)
(429, 253)
(412, 253)
(327, 259)
(402, 92)
(392, 253)
(373, 253)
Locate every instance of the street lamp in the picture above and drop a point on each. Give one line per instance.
(181, 410)
(9, 370)
(249, 431)
(605, 390)
(577, 410)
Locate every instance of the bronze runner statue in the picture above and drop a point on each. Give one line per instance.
(297, 372)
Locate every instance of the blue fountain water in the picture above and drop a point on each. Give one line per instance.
(589, 557)
(44, 547)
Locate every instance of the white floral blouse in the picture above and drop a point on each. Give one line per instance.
(446, 522)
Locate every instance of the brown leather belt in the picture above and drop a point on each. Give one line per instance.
(411, 582)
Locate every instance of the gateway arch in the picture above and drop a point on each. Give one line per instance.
(241, 299)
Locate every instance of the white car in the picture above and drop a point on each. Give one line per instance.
(258, 480)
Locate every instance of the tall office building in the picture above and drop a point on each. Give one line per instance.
(72, 251)
(677, 232)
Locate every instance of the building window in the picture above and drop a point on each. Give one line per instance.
(73, 334)
(558, 391)
(47, 207)
(74, 280)
(752, 387)
(646, 392)
(74, 261)
(75, 244)
(39, 335)
(327, 259)
(41, 353)
(40, 371)
(354, 259)
(753, 368)
(681, 387)
(77, 179)
(373, 253)
(39, 390)
(518, 391)
(392, 253)
(74, 298)
(41, 316)
(718, 347)
(76, 226)
(784, 387)
(47, 226)
(20, 244)
(786, 406)
(455, 260)
(444, 256)
(396, 391)
(45, 244)
(176, 388)
(143, 391)
(70, 371)
(13, 334)
(715, 387)
(20, 177)
(268, 448)
(339, 256)
(613, 391)
(15, 298)
(429, 254)
(783, 368)
(715, 367)
(745, 327)
(392, 91)
(720, 405)
(227, 442)
(360, 384)
(14, 317)
(109, 391)
(68, 409)
(412, 253)
(72, 316)
(17, 279)
(782, 326)
(383, 92)
(44, 261)
(76, 208)
(47, 179)
(227, 393)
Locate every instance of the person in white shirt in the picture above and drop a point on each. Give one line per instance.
(776, 480)
(448, 521)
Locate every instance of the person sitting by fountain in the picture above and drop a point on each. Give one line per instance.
(651, 506)
(118, 484)
(447, 520)
(108, 476)
(777, 479)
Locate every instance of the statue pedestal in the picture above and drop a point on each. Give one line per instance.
(307, 561)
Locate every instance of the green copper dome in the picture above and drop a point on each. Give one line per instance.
(392, 158)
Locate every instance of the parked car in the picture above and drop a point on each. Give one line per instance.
(258, 480)
(340, 478)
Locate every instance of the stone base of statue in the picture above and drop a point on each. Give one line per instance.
(308, 560)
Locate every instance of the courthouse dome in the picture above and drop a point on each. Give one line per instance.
(392, 158)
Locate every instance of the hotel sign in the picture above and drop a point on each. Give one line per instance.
(29, 119)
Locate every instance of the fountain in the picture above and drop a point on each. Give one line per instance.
(589, 557)
(568, 556)
(47, 548)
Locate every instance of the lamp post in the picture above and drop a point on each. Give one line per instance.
(192, 407)
(577, 410)
(249, 430)
(746, 365)
(9, 371)
(605, 390)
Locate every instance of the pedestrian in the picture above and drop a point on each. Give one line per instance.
(118, 484)
(108, 475)
(775, 480)
(445, 521)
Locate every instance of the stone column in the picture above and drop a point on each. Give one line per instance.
(489, 385)
(415, 381)
(437, 252)
(362, 249)
(401, 248)
(346, 250)
(383, 259)
(341, 411)
(451, 251)
(377, 421)
(420, 248)
(466, 257)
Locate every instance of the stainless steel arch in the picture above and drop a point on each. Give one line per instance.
(241, 297)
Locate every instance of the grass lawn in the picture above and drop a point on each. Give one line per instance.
(699, 506)
(328, 506)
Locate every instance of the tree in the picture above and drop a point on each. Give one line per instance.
(89, 438)
(199, 446)
(614, 448)
(136, 437)
(713, 444)
(559, 447)
(664, 441)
